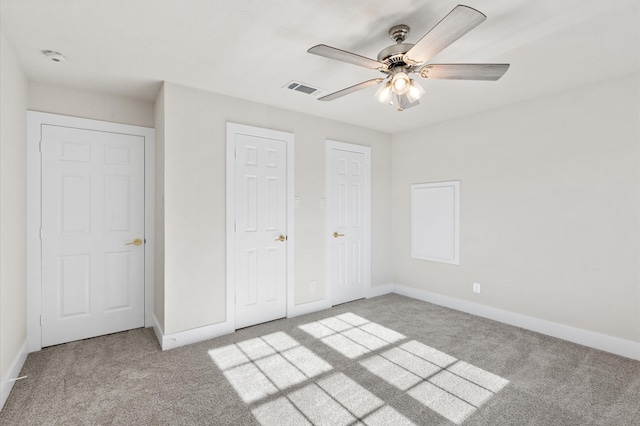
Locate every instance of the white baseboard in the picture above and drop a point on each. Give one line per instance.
(195, 335)
(307, 308)
(379, 290)
(615, 345)
(187, 337)
(603, 342)
(157, 329)
(319, 305)
(13, 373)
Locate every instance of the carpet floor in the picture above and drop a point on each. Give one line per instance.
(389, 360)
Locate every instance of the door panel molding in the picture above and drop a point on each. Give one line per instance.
(331, 222)
(232, 130)
(35, 122)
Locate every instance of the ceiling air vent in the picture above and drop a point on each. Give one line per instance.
(296, 86)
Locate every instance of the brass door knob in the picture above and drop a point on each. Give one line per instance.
(336, 235)
(135, 242)
(281, 238)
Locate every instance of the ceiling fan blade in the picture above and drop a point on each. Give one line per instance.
(489, 72)
(457, 23)
(348, 90)
(344, 56)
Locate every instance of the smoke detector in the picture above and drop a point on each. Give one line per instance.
(54, 56)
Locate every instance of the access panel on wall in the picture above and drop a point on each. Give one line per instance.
(435, 221)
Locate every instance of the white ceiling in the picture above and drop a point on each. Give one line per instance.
(250, 49)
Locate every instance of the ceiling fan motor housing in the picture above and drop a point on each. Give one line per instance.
(393, 55)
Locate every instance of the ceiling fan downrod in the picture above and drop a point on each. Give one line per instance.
(399, 33)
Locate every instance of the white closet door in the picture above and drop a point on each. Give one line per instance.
(261, 227)
(92, 212)
(348, 218)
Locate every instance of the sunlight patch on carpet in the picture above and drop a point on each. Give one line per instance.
(450, 387)
(391, 373)
(351, 335)
(334, 400)
(477, 375)
(429, 354)
(279, 412)
(262, 366)
(442, 402)
(345, 346)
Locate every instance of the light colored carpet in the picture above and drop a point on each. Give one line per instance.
(389, 360)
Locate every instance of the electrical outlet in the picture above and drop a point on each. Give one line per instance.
(476, 288)
(312, 286)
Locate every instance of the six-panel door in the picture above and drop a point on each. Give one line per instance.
(347, 250)
(92, 212)
(261, 224)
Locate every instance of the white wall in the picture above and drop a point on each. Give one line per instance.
(158, 293)
(93, 105)
(13, 216)
(550, 207)
(194, 193)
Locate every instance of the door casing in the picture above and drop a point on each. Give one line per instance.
(330, 146)
(232, 129)
(35, 120)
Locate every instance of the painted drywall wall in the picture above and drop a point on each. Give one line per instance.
(194, 199)
(13, 212)
(93, 105)
(550, 207)
(159, 211)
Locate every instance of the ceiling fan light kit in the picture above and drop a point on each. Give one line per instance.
(400, 83)
(407, 97)
(415, 91)
(400, 60)
(384, 94)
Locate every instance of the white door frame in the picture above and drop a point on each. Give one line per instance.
(329, 225)
(230, 288)
(35, 120)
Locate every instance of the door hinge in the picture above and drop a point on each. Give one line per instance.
(40, 320)
(40, 146)
(40, 233)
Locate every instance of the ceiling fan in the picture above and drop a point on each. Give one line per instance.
(400, 60)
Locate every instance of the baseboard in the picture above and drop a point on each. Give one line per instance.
(195, 335)
(319, 305)
(309, 307)
(13, 373)
(603, 342)
(187, 337)
(379, 290)
(157, 329)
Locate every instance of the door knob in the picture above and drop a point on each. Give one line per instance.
(336, 235)
(135, 242)
(281, 238)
